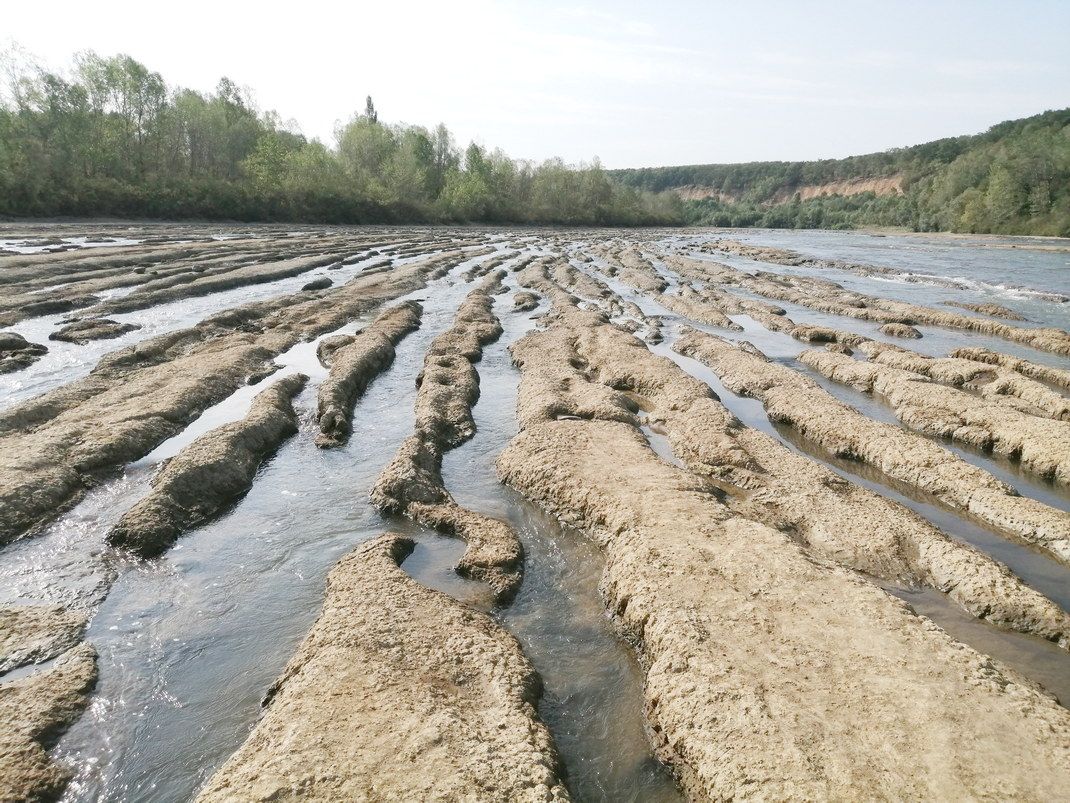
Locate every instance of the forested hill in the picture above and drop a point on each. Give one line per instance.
(109, 137)
(1012, 179)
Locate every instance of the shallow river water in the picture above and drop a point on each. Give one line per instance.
(189, 643)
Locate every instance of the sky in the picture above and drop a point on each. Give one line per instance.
(634, 84)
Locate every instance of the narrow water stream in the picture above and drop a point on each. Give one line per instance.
(593, 689)
(189, 643)
(1038, 660)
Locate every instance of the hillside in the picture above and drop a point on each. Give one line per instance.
(1012, 179)
(111, 138)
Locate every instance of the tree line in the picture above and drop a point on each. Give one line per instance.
(111, 138)
(1012, 179)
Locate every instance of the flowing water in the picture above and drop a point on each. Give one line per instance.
(189, 643)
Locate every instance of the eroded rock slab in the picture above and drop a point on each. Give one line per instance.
(16, 352)
(780, 677)
(398, 693)
(578, 367)
(210, 474)
(30, 634)
(987, 308)
(54, 446)
(35, 711)
(82, 331)
(412, 485)
(355, 364)
(792, 398)
(1039, 445)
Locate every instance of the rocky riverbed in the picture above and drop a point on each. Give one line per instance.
(360, 513)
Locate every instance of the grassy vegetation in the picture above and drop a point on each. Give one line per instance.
(111, 138)
(1012, 179)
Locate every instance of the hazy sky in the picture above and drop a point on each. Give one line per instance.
(636, 84)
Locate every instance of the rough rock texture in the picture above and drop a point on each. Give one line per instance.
(397, 693)
(355, 365)
(210, 474)
(321, 283)
(690, 305)
(35, 712)
(16, 352)
(30, 634)
(1040, 445)
(811, 333)
(86, 329)
(900, 330)
(792, 398)
(524, 301)
(633, 267)
(766, 481)
(55, 445)
(326, 348)
(411, 484)
(1044, 373)
(988, 308)
(781, 677)
(826, 296)
(163, 291)
(1002, 385)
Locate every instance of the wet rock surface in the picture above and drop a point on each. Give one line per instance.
(35, 711)
(30, 634)
(398, 693)
(82, 331)
(900, 330)
(760, 523)
(412, 484)
(53, 446)
(727, 642)
(794, 399)
(16, 352)
(989, 308)
(355, 361)
(1037, 444)
(525, 301)
(209, 474)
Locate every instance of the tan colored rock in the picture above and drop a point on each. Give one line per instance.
(53, 446)
(355, 365)
(987, 308)
(811, 333)
(995, 383)
(1044, 373)
(1039, 445)
(412, 485)
(691, 305)
(633, 267)
(792, 398)
(209, 474)
(30, 634)
(397, 693)
(900, 330)
(835, 519)
(826, 296)
(86, 329)
(780, 677)
(524, 301)
(34, 712)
